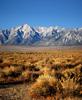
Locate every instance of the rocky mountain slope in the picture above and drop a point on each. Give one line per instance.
(41, 36)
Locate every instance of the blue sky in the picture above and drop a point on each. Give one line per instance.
(67, 13)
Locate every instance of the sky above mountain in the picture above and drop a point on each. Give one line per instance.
(67, 13)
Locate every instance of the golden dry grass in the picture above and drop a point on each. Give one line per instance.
(51, 74)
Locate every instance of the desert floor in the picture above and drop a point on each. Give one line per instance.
(41, 74)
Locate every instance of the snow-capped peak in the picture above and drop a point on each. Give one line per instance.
(53, 35)
(26, 28)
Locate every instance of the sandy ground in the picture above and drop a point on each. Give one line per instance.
(36, 49)
(14, 92)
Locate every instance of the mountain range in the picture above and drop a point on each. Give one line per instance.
(41, 36)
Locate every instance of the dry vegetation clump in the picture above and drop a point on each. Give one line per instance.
(69, 73)
(45, 70)
(78, 69)
(6, 72)
(44, 86)
(32, 68)
(56, 67)
(25, 75)
(1, 60)
(79, 78)
(7, 62)
(9, 74)
(69, 86)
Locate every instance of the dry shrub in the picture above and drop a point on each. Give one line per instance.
(69, 73)
(1, 60)
(26, 75)
(11, 72)
(45, 70)
(78, 92)
(79, 78)
(31, 67)
(59, 76)
(16, 68)
(7, 62)
(69, 84)
(6, 71)
(78, 69)
(56, 67)
(44, 86)
(41, 64)
(71, 98)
